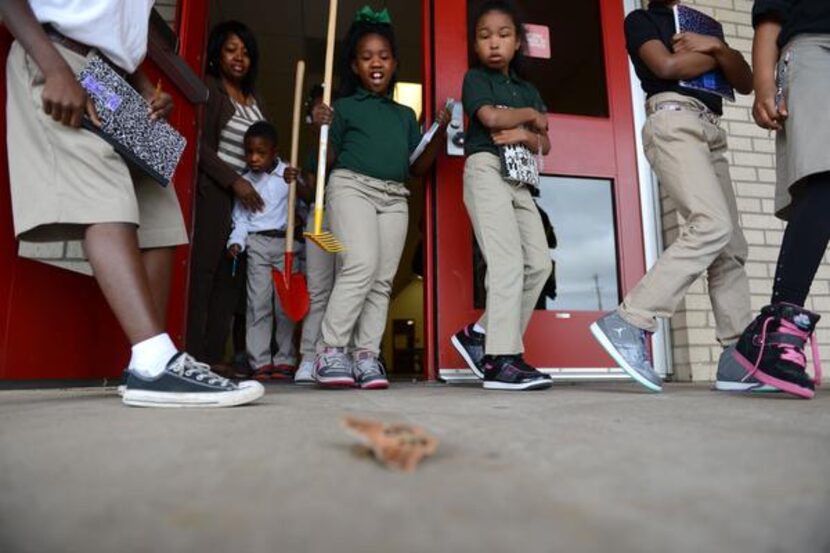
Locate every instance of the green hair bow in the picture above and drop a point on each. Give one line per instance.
(368, 15)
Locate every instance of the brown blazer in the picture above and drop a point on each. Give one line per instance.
(211, 227)
(218, 112)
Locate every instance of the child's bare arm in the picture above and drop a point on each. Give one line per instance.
(161, 103)
(307, 186)
(534, 141)
(421, 166)
(498, 119)
(730, 61)
(764, 58)
(63, 97)
(674, 66)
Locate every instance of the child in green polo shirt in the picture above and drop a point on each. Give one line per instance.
(504, 109)
(371, 139)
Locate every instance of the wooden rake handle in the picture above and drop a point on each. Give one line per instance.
(322, 154)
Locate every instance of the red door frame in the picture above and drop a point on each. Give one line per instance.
(54, 324)
(581, 146)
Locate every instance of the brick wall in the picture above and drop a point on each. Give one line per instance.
(752, 158)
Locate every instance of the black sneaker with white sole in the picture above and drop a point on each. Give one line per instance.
(122, 386)
(470, 346)
(528, 368)
(187, 383)
(506, 372)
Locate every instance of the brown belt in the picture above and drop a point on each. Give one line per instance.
(78, 47)
(68, 43)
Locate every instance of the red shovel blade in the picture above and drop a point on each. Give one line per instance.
(292, 290)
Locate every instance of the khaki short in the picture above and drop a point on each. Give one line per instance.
(64, 179)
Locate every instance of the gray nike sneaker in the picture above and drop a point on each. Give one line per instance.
(333, 368)
(626, 344)
(733, 377)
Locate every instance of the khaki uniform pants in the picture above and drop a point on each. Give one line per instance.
(370, 217)
(320, 271)
(687, 152)
(509, 232)
(264, 254)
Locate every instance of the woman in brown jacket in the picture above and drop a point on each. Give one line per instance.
(232, 107)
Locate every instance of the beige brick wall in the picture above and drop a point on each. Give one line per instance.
(752, 158)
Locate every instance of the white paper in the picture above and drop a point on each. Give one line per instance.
(427, 138)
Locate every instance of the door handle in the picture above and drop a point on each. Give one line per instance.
(455, 131)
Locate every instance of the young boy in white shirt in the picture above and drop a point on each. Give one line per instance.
(262, 234)
(84, 191)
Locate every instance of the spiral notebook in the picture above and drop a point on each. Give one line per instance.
(689, 20)
(153, 146)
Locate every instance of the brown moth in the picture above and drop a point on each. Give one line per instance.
(398, 446)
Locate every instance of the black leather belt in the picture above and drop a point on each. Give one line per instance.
(270, 233)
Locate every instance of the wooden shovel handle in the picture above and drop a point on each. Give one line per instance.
(295, 149)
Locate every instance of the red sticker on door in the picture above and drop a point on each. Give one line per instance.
(538, 41)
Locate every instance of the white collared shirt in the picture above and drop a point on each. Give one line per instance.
(274, 192)
(117, 28)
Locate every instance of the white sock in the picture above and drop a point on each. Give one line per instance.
(478, 328)
(150, 356)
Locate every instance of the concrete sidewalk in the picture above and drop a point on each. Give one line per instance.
(599, 467)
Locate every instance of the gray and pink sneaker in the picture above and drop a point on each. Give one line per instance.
(369, 372)
(771, 349)
(333, 368)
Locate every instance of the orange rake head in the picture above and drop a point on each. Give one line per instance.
(326, 240)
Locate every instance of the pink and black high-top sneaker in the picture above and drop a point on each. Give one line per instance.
(772, 349)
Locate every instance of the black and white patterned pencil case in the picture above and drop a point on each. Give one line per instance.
(519, 164)
(153, 146)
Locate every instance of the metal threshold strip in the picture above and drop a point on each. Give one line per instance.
(460, 376)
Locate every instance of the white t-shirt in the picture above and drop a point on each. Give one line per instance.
(117, 28)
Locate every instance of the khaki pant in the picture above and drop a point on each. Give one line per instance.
(265, 254)
(370, 217)
(64, 179)
(320, 271)
(509, 232)
(687, 153)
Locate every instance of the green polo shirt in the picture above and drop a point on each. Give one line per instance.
(485, 87)
(374, 135)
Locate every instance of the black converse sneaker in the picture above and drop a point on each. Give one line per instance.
(187, 383)
(470, 346)
(506, 372)
(122, 386)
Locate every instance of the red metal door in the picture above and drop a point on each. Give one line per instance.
(54, 324)
(586, 149)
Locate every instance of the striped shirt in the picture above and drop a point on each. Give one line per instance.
(231, 139)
